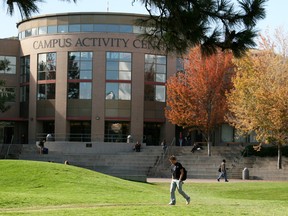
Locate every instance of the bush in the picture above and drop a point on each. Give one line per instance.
(266, 151)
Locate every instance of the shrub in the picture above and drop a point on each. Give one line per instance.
(266, 151)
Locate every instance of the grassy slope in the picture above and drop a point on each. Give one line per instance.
(40, 188)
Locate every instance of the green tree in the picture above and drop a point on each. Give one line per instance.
(258, 102)
(178, 25)
(4, 66)
(4, 97)
(26, 7)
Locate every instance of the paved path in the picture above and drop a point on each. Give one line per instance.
(164, 180)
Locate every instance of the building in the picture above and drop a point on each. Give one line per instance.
(84, 77)
(88, 77)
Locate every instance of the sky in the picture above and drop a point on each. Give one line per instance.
(276, 12)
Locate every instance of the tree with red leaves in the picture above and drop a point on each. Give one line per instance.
(196, 97)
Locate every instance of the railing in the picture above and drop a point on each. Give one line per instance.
(164, 155)
(10, 150)
(82, 137)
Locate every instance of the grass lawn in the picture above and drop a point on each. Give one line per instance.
(42, 188)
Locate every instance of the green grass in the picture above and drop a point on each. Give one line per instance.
(42, 188)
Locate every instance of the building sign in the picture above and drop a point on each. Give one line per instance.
(91, 42)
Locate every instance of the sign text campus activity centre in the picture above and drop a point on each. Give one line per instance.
(91, 42)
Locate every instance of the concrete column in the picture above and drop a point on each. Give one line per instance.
(137, 99)
(61, 97)
(98, 97)
(32, 122)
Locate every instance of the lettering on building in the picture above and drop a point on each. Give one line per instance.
(91, 42)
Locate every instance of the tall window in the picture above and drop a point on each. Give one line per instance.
(80, 67)
(25, 69)
(118, 76)
(46, 76)
(155, 77)
(7, 65)
(24, 78)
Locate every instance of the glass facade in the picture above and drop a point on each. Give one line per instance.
(116, 131)
(118, 76)
(46, 76)
(8, 94)
(58, 29)
(155, 78)
(24, 78)
(80, 70)
(47, 66)
(7, 65)
(24, 69)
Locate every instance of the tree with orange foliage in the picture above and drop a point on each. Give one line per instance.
(259, 101)
(196, 97)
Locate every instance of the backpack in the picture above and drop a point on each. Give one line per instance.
(184, 177)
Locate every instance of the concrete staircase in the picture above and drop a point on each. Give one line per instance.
(10, 151)
(151, 162)
(127, 164)
(266, 169)
(201, 166)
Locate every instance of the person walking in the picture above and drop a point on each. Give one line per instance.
(176, 182)
(164, 146)
(223, 171)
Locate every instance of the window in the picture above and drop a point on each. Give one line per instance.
(80, 65)
(7, 65)
(154, 93)
(227, 133)
(179, 64)
(80, 131)
(74, 28)
(62, 28)
(24, 69)
(46, 71)
(155, 77)
(118, 66)
(28, 33)
(87, 28)
(155, 68)
(118, 75)
(42, 30)
(34, 31)
(80, 68)
(116, 131)
(7, 94)
(52, 29)
(46, 91)
(47, 66)
(118, 91)
(24, 93)
(79, 90)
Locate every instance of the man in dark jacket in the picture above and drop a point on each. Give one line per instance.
(223, 172)
(176, 182)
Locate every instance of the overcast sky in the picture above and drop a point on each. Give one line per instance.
(277, 14)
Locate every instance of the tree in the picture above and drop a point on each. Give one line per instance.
(196, 98)
(26, 7)
(258, 102)
(4, 65)
(4, 97)
(178, 25)
(4, 94)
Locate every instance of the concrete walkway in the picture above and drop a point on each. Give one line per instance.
(167, 180)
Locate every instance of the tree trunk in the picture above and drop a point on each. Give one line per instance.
(209, 146)
(279, 162)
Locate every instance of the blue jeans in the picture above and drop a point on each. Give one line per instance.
(176, 184)
(222, 174)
